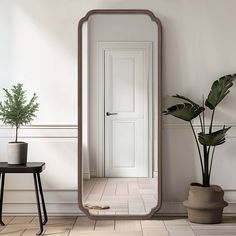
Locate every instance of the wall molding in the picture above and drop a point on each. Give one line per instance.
(41, 131)
(40, 126)
(186, 125)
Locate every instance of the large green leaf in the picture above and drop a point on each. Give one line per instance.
(219, 89)
(213, 139)
(184, 111)
(185, 98)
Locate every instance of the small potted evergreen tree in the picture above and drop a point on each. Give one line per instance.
(205, 202)
(16, 111)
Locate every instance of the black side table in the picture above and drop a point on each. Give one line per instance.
(31, 167)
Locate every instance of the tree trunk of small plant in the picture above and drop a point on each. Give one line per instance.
(16, 134)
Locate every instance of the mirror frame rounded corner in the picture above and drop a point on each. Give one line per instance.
(159, 116)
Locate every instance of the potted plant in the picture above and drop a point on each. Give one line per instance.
(15, 111)
(205, 201)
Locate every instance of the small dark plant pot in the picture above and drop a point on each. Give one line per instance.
(205, 204)
(17, 153)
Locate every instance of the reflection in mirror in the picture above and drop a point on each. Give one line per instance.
(120, 137)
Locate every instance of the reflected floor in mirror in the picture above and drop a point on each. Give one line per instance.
(123, 196)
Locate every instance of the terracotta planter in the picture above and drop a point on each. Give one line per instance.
(17, 153)
(205, 204)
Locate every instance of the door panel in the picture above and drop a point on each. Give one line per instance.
(126, 96)
(123, 83)
(123, 150)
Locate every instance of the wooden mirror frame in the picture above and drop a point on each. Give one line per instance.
(159, 111)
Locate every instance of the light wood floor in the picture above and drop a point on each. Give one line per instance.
(82, 226)
(124, 195)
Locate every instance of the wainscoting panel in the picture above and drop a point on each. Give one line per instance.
(57, 146)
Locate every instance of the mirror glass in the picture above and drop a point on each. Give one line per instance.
(120, 81)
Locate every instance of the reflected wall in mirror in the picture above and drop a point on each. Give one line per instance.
(119, 103)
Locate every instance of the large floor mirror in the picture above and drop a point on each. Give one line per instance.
(119, 114)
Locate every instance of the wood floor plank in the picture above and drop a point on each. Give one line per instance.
(221, 226)
(97, 191)
(9, 231)
(84, 224)
(30, 232)
(176, 222)
(97, 233)
(57, 232)
(87, 187)
(136, 207)
(155, 232)
(122, 189)
(111, 190)
(215, 232)
(181, 233)
(105, 225)
(127, 225)
(22, 220)
(158, 224)
(122, 180)
(178, 228)
(59, 222)
(133, 188)
(7, 219)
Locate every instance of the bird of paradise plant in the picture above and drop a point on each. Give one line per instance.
(189, 110)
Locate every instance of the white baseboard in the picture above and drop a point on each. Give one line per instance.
(86, 175)
(31, 209)
(72, 209)
(177, 209)
(93, 173)
(64, 202)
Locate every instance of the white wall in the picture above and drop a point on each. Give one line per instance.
(38, 47)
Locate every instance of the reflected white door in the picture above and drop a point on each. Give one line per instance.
(126, 112)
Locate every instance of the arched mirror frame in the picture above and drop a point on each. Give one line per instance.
(159, 90)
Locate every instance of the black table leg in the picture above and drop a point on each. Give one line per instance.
(42, 200)
(1, 197)
(38, 205)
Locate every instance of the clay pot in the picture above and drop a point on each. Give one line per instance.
(205, 204)
(17, 153)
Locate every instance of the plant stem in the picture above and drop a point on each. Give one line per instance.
(206, 156)
(212, 117)
(212, 155)
(206, 182)
(203, 113)
(206, 177)
(199, 152)
(200, 118)
(16, 133)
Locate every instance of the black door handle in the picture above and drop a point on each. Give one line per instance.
(111, 113)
